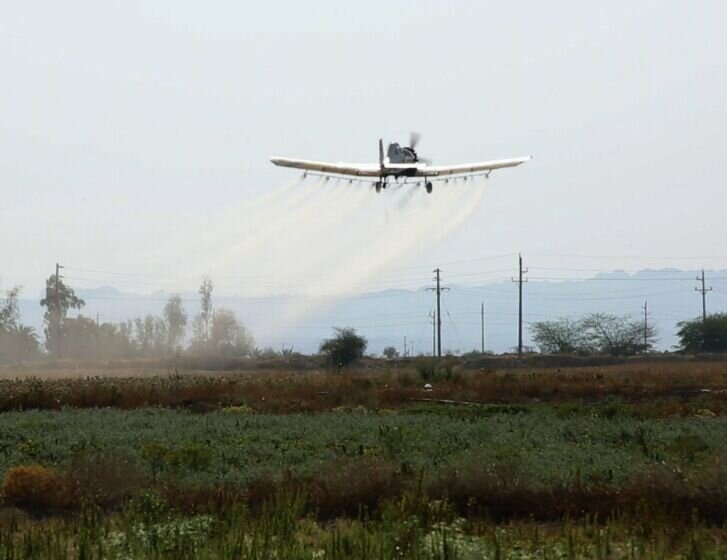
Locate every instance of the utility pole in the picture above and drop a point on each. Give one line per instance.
(645, 308)
(520, 281)
(405, 347)
(433, 317)
(482, 317)
(703, 290)
(57, 301)
(439, 291)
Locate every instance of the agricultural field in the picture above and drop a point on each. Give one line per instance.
(614, 461)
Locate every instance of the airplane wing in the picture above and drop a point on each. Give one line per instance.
(352, 169)
(469, 168)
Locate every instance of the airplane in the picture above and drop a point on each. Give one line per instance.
(400, 162)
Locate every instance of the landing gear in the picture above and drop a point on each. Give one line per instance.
(378, 185)
(428, 186)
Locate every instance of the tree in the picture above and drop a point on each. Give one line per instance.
(390, 353)
(150, 335)
(562, 336)
(228, 336)
(344, 348)
(698, 335)
(17, 342)
(58, 299)
(79, 338)
(618, 336)
(115, 340)
(600, 333)
(176, 322)
(203, 320)
(9, 313)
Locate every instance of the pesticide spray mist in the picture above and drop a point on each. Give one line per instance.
(322, 239)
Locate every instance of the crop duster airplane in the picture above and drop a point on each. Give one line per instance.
(400, 162)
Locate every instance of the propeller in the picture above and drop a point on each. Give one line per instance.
(414, 138)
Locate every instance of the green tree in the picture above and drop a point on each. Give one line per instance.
(616, 335)
(562, 336)
(79, 338)
(390, 353)
(202, 325)
(9, 311)
(150, 335)
(176, 322)
(228, 336)
(344, 348)
(708, 335)
(595, 333)
(17, 342)
(58, 299)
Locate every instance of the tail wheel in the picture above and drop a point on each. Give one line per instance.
(429, 187)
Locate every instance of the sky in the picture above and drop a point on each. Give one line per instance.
(135, 139)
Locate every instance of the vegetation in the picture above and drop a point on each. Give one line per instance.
(704, 335)
(622, 462)
(18, 342)
(595, 333)
(59, 299)
(344, 348)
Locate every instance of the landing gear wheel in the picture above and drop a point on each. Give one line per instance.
(378, 185)
(429, 187)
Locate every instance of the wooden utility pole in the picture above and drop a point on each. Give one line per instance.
(433, 317)
(520, 281)
(57, 311)
(646, 325)
(482, 319)
(703, 290)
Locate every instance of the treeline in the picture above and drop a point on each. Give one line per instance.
(614, 335)
(214, 331)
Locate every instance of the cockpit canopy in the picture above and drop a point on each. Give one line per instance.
(401, 154)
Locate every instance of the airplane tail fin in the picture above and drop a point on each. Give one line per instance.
(381, 153)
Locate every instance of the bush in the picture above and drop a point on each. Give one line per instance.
(103, 480)
(354, 486)
(344, 348)
(32, 487)
(698, 335)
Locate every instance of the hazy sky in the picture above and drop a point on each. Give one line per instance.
(129, 126)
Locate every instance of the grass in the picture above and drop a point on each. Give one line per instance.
(148, 528)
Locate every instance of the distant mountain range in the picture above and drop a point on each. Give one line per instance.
(387, 317)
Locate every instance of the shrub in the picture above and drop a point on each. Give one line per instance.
(32, 486)
(352, 487)
(344, 348)
(103, 480)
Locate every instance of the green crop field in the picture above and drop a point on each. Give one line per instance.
(367, 465)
